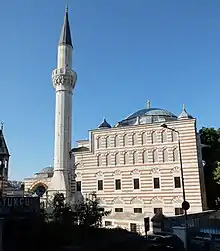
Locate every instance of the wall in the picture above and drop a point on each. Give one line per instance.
(119, 153)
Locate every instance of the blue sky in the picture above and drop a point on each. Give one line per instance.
(125, 52)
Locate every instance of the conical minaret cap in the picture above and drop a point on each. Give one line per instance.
(65, 36)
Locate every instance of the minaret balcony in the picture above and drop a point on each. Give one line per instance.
(64, 78)
(63, 71)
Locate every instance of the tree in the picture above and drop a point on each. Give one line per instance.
(88, 212)
(211, 156)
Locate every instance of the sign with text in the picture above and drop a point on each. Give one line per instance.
(20, 204)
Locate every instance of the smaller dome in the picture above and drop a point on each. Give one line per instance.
(104, 124)
(184, 114)
(47, 170)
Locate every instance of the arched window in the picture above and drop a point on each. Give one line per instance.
(154, 137)
(164, 136)
(134, 139)
(107, 142)
(145, 156)
(116, 141)
(175, 155)
(165, 155)
(125, 140)
(117, 159)
(155, 156)
(126, 158)
(135, 158)
(174, 136)
(98, 142)
(39, 190)
(108, 159)
(99, 160)
(144, 138)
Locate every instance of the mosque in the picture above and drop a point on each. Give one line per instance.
(133, 166)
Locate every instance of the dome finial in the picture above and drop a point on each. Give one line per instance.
(148, 104)
(183, 107)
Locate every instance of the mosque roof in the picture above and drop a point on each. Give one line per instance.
(48, 169)
(147, 116)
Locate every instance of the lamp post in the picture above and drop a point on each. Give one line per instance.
(185, 204)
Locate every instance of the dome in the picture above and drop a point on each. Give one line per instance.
(148, 116)
(104, 124)
(47, 170)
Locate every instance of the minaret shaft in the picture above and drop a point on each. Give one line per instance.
(64, 59)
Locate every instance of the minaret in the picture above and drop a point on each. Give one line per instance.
(64, 79)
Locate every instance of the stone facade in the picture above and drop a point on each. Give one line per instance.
(137, 157)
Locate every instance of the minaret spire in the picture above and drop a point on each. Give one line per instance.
(65, 36)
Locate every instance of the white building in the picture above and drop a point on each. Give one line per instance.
(134, 166)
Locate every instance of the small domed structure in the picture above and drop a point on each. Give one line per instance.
(184, 114)
(48, 169)
(104, 124)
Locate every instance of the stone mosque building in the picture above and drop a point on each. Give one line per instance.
(133, 166)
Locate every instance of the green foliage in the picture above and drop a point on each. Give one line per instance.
(216, 173)
(86, 212)
(211, 156)
(89, 213)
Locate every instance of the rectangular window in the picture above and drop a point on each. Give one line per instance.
(133, 227)
(119, 210)
(138, 210)
(156, 183)
(78, 186)
(100, 185)
(178, 211)
(136, 184)
(108, 223)
(158, 210)
(177, 182)
(118, 184)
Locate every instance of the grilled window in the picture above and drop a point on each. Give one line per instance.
(156, 183)
(136, 184)
(177, 182)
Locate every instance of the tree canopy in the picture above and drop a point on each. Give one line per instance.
(211, 156)
(86, 212)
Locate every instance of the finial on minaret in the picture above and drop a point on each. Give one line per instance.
(148, 104)
(66, 8)
(2, 126)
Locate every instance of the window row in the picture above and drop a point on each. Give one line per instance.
(178, 211)
(136, 184)
(136, 158)
(136, 139)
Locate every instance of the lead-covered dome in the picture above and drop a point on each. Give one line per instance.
(147, 116)
(48, 169)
